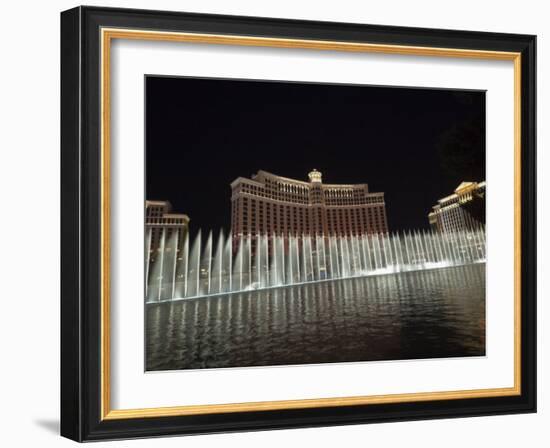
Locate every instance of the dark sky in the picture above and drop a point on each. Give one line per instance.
(416, 145)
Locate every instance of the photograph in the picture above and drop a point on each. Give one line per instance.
(294, 223)
(278, 223)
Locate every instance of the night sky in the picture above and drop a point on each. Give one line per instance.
(416, 145)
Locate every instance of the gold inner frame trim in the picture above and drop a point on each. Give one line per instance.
(107, 35)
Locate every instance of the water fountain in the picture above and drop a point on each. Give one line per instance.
(184, 270)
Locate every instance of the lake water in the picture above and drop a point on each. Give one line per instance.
(424, 314)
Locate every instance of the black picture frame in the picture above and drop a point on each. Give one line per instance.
(81, 209)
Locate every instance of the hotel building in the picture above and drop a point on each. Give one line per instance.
(270, 204)
(451, 213)
(160, 225)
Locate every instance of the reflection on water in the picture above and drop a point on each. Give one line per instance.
(423, 314)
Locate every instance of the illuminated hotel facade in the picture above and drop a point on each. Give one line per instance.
(451, 214)
(161, 225)
(275, 205)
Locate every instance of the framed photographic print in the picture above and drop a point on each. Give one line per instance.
(274, 224)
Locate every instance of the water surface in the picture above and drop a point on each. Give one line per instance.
(424, 314)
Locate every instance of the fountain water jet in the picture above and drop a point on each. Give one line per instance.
(181, 270)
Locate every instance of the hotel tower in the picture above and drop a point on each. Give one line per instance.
(452, 214)
(275, 205)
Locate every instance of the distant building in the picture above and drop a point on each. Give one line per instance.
(160, 226)
(459, 210)
(270, 204)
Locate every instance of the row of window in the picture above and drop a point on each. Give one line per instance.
(304, 195)
(257, 216)
(165, 221)
(155, 211)
(253, 209)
